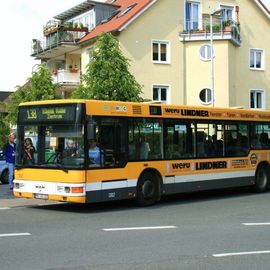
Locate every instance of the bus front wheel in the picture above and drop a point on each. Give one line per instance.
(262, 178)
(147, 189)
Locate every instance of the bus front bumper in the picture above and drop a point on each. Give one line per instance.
(65, 192)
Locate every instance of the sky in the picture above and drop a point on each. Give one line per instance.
(267, 3)
(22, 21)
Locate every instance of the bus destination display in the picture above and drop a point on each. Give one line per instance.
(48, 113)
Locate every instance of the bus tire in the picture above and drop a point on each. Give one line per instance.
(147, 189)
(262, 179)
(4, 177)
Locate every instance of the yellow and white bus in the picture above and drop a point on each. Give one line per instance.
(142, 151)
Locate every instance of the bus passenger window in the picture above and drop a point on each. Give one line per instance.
(144, 139)
(131, 150)
(260, 134)
(201, 144)
(264, 140)
(178, 139)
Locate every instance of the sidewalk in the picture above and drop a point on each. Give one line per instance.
(8, 200)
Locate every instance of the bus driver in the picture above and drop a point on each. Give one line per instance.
(94, 152)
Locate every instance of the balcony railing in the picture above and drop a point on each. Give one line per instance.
(222, 29)
(56, 37)
(66, 77)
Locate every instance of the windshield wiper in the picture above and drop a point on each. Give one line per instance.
(60, 166)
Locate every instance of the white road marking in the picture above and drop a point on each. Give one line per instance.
(4, 208)
(241, 253)
(14, 234)
(139, 228)
(257, 224)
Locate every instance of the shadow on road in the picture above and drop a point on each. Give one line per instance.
(167, 201)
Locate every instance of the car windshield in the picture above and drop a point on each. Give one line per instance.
(56, 146)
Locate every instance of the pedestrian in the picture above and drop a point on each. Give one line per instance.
(9, 153)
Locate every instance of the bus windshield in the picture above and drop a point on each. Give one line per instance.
(56, 146)
(51, 136)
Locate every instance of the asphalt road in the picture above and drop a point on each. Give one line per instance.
(214, 230)
(5, 193)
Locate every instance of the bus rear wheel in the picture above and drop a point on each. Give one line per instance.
(262, 179)
(147, 189)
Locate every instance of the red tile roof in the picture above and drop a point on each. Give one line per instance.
(118, 22)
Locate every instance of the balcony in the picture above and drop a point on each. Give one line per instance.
(222, 30)
(58, 40)
(66, 77)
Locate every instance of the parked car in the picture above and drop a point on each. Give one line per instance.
(3, 169)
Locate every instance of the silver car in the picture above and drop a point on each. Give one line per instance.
(3, 169)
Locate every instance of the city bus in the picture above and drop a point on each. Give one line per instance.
(141, 151)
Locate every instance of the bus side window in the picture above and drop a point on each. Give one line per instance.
(264, 140)
(201, 144)
(255, 143)
(217, 146)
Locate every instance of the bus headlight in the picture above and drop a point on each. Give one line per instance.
(70, 189)
(60, 189)
(19, 185)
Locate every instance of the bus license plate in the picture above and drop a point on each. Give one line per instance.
(41, 196)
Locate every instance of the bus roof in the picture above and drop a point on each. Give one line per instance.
(135, 109)
(56, 101)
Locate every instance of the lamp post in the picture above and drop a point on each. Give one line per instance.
(214, 12)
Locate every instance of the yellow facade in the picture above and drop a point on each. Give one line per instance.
(185, 74)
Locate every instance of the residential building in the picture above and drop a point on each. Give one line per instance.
(168, 43)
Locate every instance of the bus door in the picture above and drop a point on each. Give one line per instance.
(111, 141)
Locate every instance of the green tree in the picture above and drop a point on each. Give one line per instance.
(4, 131)
(41, 86)
(38, 87)
(107, 75)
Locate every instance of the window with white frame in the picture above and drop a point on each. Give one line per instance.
(160, 51)
(205, 52)
(205, 96)
(192, 11)
(226, 13)
(161, 93)
(257, 99)
(87, 19)
(256, 59)
(89, 55)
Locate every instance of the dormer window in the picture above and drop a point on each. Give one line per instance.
(125, 11)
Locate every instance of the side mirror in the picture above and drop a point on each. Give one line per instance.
(91, 131)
